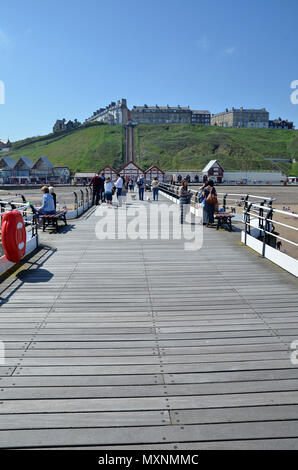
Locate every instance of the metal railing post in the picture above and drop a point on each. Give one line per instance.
(266, 229)
(247, 222)
(245, 199)
(35, 227)
(225, 202)
(82, 198)
(76, 203)
(261, 214)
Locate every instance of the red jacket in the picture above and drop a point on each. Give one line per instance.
(96, 182)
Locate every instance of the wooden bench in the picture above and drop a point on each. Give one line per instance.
(51, 220)
(224, 218)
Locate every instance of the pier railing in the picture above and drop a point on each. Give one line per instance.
(264, 228)
(75, 202)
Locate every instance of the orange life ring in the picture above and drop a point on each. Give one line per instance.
(13, 236)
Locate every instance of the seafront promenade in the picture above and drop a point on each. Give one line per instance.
(140, 344)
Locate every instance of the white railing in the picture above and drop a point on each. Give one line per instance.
(258, 215)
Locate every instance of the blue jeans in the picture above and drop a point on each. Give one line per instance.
(155, 194)
(47, 212)
(183, 201)
(141, 194)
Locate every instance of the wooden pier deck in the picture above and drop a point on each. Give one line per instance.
(121, 344)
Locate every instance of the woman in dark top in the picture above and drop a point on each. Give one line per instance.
(208, 213)
(52, 192)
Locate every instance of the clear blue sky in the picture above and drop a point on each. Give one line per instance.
(67, 58)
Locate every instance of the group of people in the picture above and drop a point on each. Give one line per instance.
(104, 188)
(207, 199)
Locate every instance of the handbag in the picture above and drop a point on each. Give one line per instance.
(211, 198)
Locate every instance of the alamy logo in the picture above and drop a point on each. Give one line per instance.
(151, 222)
(2, 92)
(294, 94)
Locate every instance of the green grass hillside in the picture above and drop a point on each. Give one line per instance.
(174, 146)
(84, 149)
(192, 146)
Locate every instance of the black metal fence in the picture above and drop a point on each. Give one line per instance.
(257, 214)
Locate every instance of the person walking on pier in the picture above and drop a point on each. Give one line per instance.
(131, 185)
(141, 185)
(155, 185)
(97, 184)
(108, 191)
(102, 189)
(210, 198)
(184, 199)
(119, 187)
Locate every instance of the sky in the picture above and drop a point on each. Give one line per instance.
(65, 59)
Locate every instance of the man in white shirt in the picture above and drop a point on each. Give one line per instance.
(119, 186)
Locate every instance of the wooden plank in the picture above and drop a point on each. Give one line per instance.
(229, 415)
(143, 359)
(153, 369)
(232, 376)
(80, 352)
(148, 390)
(148, 403)
(80, 380)
(84, 420)
(5, 371)
(252, 444)
(254, 343)
(150, 434)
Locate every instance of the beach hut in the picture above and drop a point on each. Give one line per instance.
(22, 170)
(42, 170)
(6, 169)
